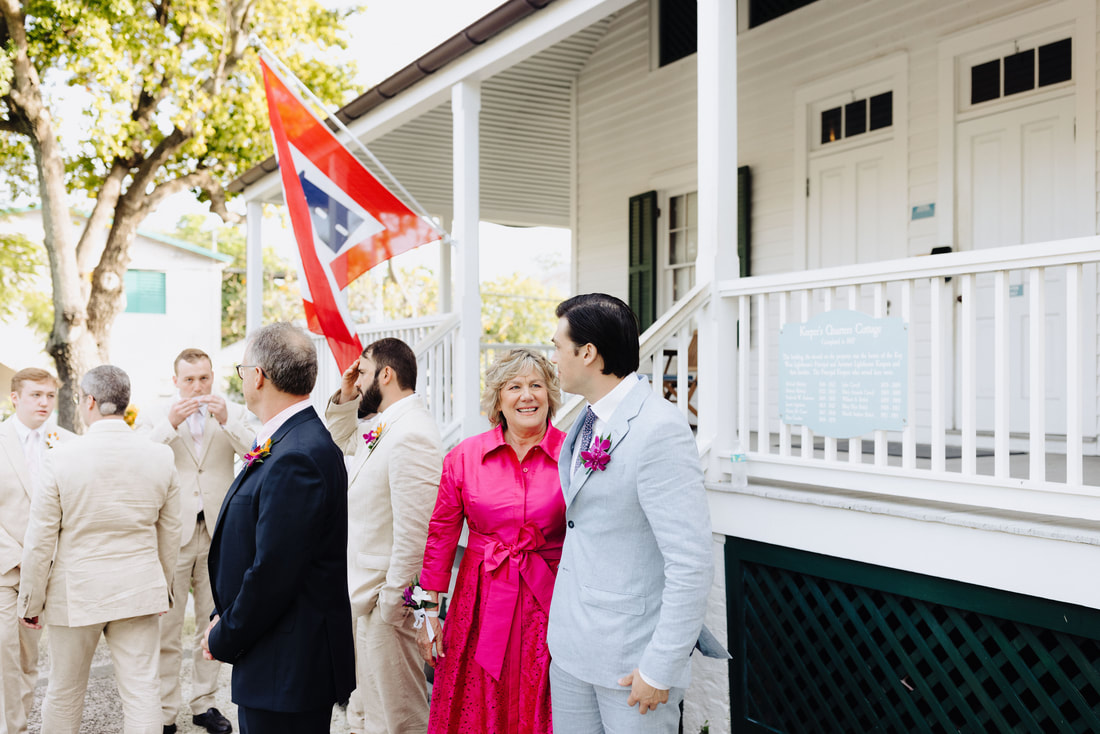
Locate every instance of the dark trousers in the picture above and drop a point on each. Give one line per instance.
(260, 721)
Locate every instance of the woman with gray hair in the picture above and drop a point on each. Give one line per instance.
(492, 664)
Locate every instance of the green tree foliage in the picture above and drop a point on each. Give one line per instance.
(169, 98)
(517, 309)
(282, 300)
(23, 272)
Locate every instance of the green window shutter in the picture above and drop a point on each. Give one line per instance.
(145, 292)
(744, 220)
(643, 258)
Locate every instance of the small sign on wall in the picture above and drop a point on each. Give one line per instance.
(923, 211)
(844, 374)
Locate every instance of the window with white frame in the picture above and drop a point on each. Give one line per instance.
(683, 244)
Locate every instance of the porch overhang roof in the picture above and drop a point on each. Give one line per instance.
(526, 118)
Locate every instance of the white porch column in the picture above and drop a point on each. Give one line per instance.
(254, 266)
(466, 109)
(717, 258)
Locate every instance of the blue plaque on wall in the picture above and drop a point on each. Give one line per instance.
(844, 374)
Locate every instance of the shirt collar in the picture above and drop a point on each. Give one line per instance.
(274, 424)
(494, 439)
(393, 409)
(605, 407)
(23, 430)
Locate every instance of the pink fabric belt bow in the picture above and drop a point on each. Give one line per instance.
(506, 564)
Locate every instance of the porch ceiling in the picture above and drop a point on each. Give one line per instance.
(526, 129)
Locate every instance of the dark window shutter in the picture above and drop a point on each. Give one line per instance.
(643, 258)
(744, 220)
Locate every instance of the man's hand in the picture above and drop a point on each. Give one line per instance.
(206, 640)
(216, 405)
(181, 410)
(646, 696)
(348, 390)
(30, 623)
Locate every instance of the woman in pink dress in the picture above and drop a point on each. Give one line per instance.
(491, 662)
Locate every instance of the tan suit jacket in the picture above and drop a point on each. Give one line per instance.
(209, 472)
(16, 490)
(391, 495)
(106, 514)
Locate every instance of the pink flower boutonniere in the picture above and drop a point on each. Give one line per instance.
(373, 436)
(258, 454)
(52, 439)
(596, 458)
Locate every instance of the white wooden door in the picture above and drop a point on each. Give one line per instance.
(1015, 186)
(852, 208)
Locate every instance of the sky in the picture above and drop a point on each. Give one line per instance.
(384, 37)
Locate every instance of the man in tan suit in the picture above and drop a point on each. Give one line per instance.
(204, 432)
(393, 482)
(99, 556)
(24, 440)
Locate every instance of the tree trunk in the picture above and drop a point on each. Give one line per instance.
(108, 286)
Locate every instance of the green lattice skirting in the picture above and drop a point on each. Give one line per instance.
(837, 647)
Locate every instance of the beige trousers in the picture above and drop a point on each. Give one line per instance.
(391, 695)
(18, 660)
(135, 648)
(191, 573)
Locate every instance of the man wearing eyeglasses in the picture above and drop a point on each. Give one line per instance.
(204, 432)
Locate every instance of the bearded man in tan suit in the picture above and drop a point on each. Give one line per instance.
(99, 556)
(204, 432)
(24, 440)
(393, 482)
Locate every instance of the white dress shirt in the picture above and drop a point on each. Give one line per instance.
(274, 424)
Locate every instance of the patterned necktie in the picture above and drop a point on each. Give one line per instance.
(585, 441)
(194, 423)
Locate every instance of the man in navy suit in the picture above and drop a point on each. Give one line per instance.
(278, 567)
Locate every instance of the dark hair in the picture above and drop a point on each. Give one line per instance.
(190, 356)
(110, 386)
(286, 355)
(608, 324)
(398, 356)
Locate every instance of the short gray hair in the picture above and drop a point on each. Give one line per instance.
(110, 386)
(286, 355)
(512, 363)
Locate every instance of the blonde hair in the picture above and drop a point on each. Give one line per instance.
(509, 365)
(31, 374)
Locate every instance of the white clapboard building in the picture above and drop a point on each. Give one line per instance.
(830, 216)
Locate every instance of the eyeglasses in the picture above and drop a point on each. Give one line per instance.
(249, 366)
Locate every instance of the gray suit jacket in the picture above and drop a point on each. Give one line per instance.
(637, 563)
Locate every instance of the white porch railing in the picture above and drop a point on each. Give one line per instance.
(435, 376)
(971, 322)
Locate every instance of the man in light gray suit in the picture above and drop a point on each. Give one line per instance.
(636, 567)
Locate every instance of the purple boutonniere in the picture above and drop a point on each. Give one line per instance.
(373, 436)
(258, 454)
(596, 458)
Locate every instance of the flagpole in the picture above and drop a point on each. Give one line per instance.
(291, 76)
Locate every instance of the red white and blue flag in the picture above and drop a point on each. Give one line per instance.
(345, 221)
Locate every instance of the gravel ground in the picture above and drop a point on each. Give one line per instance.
(103, 708)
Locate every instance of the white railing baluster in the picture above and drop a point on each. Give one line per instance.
(807, 436)
(938, 418)
(967, 399)
(1037, 403)
(784, 427)
(909, 435)
(881, 447)
(1001, 368)
(763, 434)
(1074, 466)
(657, 373)
(744, 347)
(830, 441)
(683, 390)
(855, 444)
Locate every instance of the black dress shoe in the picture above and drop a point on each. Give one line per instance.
(169, 729)
(213, 722)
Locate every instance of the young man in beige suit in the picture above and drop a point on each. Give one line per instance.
(99, 555)
(204, 432)
(393, 482)
(24, 440)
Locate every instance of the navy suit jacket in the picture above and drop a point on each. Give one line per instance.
(278, 570)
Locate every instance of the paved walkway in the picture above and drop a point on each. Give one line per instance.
(103, 707)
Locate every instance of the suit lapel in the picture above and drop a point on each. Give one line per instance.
(565, 459)
(390, 419)
(11, 447)
(184, 431)
(618, 427)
